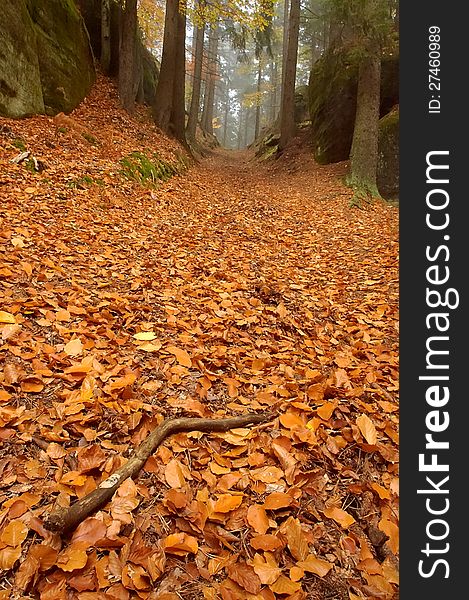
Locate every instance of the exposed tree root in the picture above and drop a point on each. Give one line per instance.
(65, 519)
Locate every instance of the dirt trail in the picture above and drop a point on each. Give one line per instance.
(235, 286)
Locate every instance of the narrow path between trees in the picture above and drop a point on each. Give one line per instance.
(237, 286)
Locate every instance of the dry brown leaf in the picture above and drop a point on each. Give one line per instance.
(180, 544)
(73, 557)
(367, 429)
(296, 539)
(14, 533)
(6, 317)
(181, 355)
(266, 542)
(343, 518)
(174, 475)
(315, 565)
(257, 518)
(284, 585)
(392, 531)
(268, 474)
(277, 500)
(90, 531)
(8, 557)
(226, 503)
(245, 576)
(266, 568)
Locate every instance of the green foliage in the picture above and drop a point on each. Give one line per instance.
(30, 165)
(149, 170)
(365, 22)
(84, 181)
(20, 144)
(90, 139)
(363, 191)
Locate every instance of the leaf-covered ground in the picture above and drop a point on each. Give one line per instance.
(233, 287)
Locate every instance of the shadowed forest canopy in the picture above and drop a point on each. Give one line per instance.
(199, 368)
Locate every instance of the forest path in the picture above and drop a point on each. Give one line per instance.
(289, 219)
(235, 286)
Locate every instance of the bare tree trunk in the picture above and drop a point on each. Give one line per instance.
(273, 91)
(196, 84)
(178, 108)
(258, 102)
(127, 59)
(164, 90)
(246, 125)
(364, 152)
(105, 58)
(240, 125)
(227, 112)
(287, 108)
(286, 17)
(209, 97)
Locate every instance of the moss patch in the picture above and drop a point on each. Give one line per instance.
(149, 169)
(84, 182)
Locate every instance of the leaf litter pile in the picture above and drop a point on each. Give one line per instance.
(234, 287)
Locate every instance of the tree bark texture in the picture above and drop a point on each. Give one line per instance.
(258, 103)
(287, 109)
(178, 107)
(128, 83)
(105, 58)
(164, 90)
(364, 151)
(196, 84)
(209, 96)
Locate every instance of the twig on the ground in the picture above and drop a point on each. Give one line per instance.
(65, 519)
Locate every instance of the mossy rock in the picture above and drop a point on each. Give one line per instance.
(333, 101)
(65, 59)
(269, 137)
(388, 155)
(20, 82)
(150, 74)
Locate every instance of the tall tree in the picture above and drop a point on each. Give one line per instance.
(196, 82)
(286, 16)
(211, 78)
(105, 58)
(287, 107)
(368, 23)
(178, 109)
(257, 124)
(169, 109)
(164, 90)
(364, 151)
(128, 82)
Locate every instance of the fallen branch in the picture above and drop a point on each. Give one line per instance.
(65, 519)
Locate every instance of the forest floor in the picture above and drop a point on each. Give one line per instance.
(233, 287)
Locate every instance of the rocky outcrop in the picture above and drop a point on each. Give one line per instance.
(20, 81)
(46, 63)
(268, 140)
(150, 73)
(333, 101)
(388, 155)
